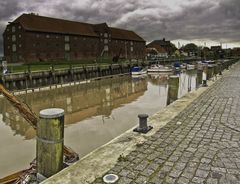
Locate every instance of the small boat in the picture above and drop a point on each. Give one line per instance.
(138, 70)
(190, 67)
(209, 63)
(159, 68)
(177, 66)
(183, 66)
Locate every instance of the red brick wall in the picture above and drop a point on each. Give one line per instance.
(39, 46)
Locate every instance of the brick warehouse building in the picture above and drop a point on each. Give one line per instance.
(32, 37)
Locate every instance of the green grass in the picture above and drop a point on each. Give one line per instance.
(39, 66)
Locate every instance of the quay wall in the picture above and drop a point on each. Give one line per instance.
(29, 80)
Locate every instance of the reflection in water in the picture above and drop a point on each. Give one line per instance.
(95, 113)
(187, 81)
(79, 102)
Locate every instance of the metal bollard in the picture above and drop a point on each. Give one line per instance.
(50, 131)
(143, 127)
(220, 68)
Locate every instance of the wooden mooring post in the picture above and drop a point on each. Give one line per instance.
(173, 88)
(50, 133)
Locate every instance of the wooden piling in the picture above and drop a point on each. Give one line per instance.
(173, 86)
(50, 133)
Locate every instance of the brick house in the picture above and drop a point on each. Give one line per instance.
(163, 46)
(32, 37)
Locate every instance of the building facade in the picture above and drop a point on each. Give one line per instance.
(32, 38)
(163, 46)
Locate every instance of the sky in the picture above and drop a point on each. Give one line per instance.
(204, 22)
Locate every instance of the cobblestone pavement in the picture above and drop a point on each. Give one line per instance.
(200, 145)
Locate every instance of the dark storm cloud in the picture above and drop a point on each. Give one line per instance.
(152, 19)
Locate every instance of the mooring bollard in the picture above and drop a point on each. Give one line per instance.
(50, 131)
(204, 76)
(143, 127)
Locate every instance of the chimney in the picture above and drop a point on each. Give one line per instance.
(163, 39)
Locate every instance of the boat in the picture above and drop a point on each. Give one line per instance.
(209, 63)
(190, 67)
(138, 70)
(183, 66)
(177, 66)
(159, 68)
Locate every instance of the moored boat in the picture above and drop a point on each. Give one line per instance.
(190, 67)
(159, 68)
(138, 70)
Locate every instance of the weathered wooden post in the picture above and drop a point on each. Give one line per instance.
(50, 131)
(199, 77)
(173, 87)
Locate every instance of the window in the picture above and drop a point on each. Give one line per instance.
(19, 36)
(105, 35)
(13, 29)
(47, 36)
(19, 27)
(20, 45)
(8, 37)
(105, 48)
(14, 48)
(67, 47)
(66, 38)
(57, 37)
(37, 36)
(131, 42)
(13, 38)
(105, 41)
(131, 49)
(8, 47)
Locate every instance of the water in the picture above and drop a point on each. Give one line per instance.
(95, 113)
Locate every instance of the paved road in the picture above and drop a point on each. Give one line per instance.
(200, 145)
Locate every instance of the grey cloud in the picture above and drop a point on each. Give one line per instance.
(152, 19)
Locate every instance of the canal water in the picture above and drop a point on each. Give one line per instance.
(95, 113)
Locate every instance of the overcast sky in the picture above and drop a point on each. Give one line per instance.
(199, 21)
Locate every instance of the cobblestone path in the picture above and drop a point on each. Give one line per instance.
(200, 145)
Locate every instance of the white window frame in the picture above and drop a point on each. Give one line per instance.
(66, 38)
(13, 38)
(14, 47)
(67, 47)
(13, 29)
